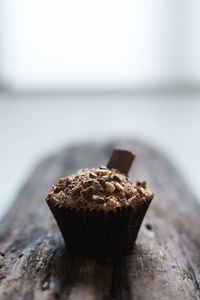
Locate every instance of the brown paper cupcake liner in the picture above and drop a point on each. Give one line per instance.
(99, 233)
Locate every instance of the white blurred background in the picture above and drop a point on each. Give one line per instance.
(79, 70)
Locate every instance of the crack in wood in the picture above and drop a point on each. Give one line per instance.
(191, 272)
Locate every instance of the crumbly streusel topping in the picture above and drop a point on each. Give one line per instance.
(99, 188)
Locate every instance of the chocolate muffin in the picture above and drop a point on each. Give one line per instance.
(99, 211)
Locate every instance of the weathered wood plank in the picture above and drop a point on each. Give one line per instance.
(165, 263)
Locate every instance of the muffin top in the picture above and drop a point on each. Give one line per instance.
(99, 188)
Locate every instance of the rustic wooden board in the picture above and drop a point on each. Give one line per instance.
(165, 263)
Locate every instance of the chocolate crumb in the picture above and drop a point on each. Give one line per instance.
(141, 183)
(98, 188)
(92, 175)
(103, 167)
(87, 193)
(76, 191)
(115, 177)
(87, 183)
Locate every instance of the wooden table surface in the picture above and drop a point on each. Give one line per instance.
(165, 263)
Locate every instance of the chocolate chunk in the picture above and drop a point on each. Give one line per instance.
(121, 160)
(76, 191)
(87, 183)
(68, 182)
(97, 186)
(57, 189)
(87, 193)
(115, 177)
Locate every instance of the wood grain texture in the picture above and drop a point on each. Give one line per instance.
(165, 263)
